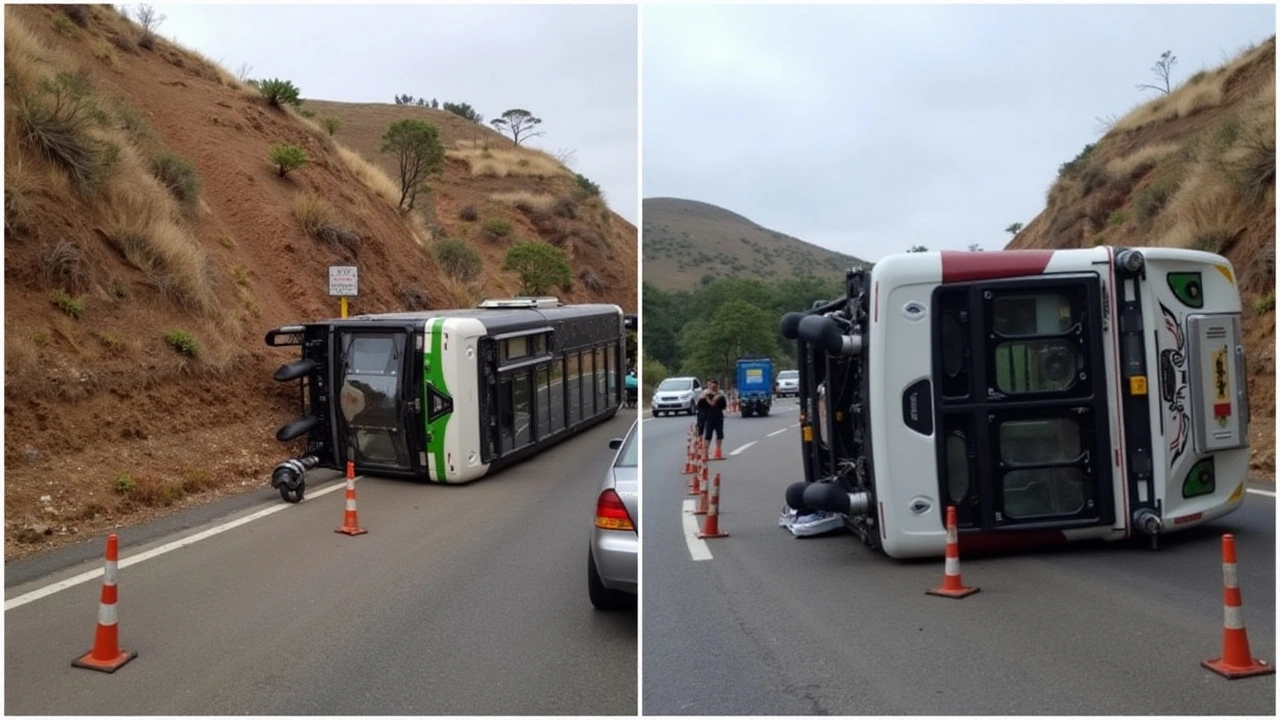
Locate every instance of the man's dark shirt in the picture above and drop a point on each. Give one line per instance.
(713, 411)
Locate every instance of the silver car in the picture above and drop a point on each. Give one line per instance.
(615, 536)
(676, 395)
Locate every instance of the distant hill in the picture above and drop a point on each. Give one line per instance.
(686, 240)
(1192, 169)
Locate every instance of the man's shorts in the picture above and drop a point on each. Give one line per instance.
(710, 427)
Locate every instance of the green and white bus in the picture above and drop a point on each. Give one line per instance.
(449, 396)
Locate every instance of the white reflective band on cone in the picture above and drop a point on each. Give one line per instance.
(106, 614)
(1229, 575)
(109, 575)
(951, 536)
(1232, 618)
(952, 566)
(351, 504)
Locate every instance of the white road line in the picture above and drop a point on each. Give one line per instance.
(744, 447)
(778, 432)
(85, 577)
(796, 425)
(698, 549)
(1268, 493)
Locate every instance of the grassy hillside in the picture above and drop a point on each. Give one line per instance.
(150, 243)
(687, 243)
(1193, 169)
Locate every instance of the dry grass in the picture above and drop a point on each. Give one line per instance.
(526, 201)
(103, 52)
(321, 221)
(142, 224)
(1198, 93)
(22, 363)
(21, 182)
(506, 162)
(1141, 160)
(64, 265)
(1204, 213)
(369, 175)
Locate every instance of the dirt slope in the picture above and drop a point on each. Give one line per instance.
(685, 240)
(1193, 169)
(107, 422)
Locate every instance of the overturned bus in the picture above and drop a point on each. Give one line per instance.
(1049, 395)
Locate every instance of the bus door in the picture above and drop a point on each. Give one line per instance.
(1021, 398)
(373, 378)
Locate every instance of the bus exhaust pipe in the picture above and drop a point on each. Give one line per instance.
(829, 497)
(289, 477)
(1149, 523)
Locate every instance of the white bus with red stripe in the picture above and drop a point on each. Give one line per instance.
(1049, 395)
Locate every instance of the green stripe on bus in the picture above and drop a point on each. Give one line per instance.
(433, 373)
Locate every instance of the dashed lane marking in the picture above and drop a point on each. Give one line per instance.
(744, 447)
(778, 432)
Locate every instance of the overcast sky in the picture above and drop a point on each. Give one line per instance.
(871, 129)
(573, 66)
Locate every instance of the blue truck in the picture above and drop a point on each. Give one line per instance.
(755, 386)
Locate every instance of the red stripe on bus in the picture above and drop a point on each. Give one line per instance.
(962, 266)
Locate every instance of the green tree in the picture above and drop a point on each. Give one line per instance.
(540, 266)
(288, 157)
(712, 346)
(418, 152)
(463, 110)
(518, 122)
(331, 124)
(1014, 228)
(918, 248)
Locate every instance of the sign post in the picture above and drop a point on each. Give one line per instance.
(344, 282)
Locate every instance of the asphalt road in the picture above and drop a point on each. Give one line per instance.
(460, 600)
(776, 625)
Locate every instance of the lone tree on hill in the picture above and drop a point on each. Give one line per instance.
(419, 153)
(518, 122)
(1014, 228)
(540, 266)
(1161, 69)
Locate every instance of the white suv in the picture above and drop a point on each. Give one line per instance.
(788, 383)
(676, 395)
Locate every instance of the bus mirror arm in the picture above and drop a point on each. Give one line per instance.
(823, 332)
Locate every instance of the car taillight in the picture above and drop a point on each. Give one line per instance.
(611, 514)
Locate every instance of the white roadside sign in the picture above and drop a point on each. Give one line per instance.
(344, 281)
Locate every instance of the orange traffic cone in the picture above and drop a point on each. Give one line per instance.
(718, 455)
(106, 654)
(951, 586)
(689, 468)
(711, 527)
(1236, 661)
(699, 478)
(350, 525)
(704, 491)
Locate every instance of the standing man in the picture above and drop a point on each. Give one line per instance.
(711, 407)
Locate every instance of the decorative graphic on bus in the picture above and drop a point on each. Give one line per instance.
(1199, 479)
(1221, 408)
(1173, 385)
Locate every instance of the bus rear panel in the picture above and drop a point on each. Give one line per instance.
(1047, 395)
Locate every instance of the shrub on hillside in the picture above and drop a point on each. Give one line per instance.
(587, 186)
(463, 110)
(539, 265)
(1151, 200)
(64, 265)
(179, 176)
(331, 125)
(68, 304)
(320, 221)
(58, 122)
(279, 92)
(1266, 303)
(79, 14)
(496, 228)
(1078, 162)
(182, 342)
(469, 213)
(419, 154)
(1255, 171)
(288, 158)
(458, 260)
